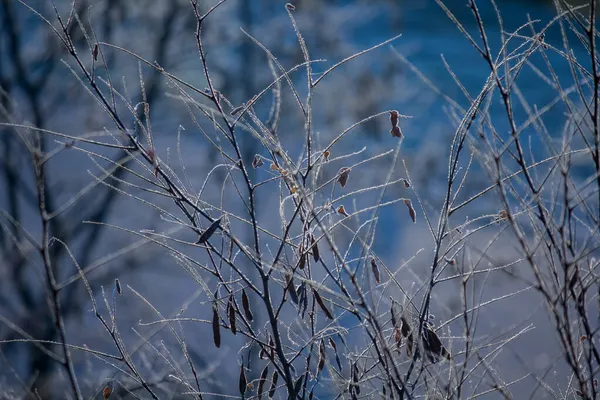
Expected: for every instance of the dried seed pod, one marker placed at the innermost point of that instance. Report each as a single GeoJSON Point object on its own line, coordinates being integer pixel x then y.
{"type": "Point", "coordinates": [322, 355]}
{"type": "Point", "coordinates": [95, 52]}
{"type": "Point", "coordinates": [243, 382]}
{"type": "Point", "coordinates": [337, 357]}
{"type": "Point", "coordinates": [405, 328]}
{"type": "Point", "coordinates": [215, 325]}
{"type": "Point", "coordinates": [406, 183]}
{"type": "Point", "coordinates": [343, 174]}
{"type": "Point", "coordinates": [246, 306]}
{"type": "Point", "coordinates": [375, 271]}
{"type": "Point", "coordinates": [314, 248]}
{"type": "Point", "coordinates": [398, 337]}
{"type": "Point", "coordinates": [291, 289]}
{"type": "Point", "coordinates": [411, 210]}
{"type": "Point", "coordinates": [231, 314]}
{"type": "Point", "coordinates": [257, 161]}
{"type": "Point", "coordinates": [342, 211]}
{"type": "Point", "coordinates": [302, 255]}
{"type": "Point", "coordinates": [394, 117]}
{"type": "Point", "coordinates": [393, 315]}
{"type": "Point", "coordinates": [396, 132]}
{"type": "Point", "coordinates": [262, 380]}
{"type": "Point", "coordinates": [209, 231]}
{"type": "Point", "coordinates": [118, 286]}
{"type": "Point", "coordinates": [326, 155]}
{"type": "Point", "coordinates": [273, 384]}
{"type": "Point", "coordinates": [322, 304]}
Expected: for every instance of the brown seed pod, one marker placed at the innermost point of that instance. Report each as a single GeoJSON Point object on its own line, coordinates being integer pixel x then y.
{"type": "Point", "coordinates": [337, 358]}
{"type": "Point", "coordinates": [411, 210]}
{"type": "Point", "coordinates": [322, 355]}
{"type": "Point", "coordinates": [209, 231]}
{"type": "Point", "coordinates": [343, 174]}
{"type": "Point", "coordinates": [406, 183]}
{"type": "Point", "coordinates": [95, 52]}
{"type": "Point", "coordinates": [246, 306]}
{"type": "Point", "coordinates": [273, 384]}
{"type": "Point", "coordinates": [262, 380]}
{"type": "Point", "coordinates": [375, 271]}
{"type": "Point", "coordinates": [302, 255]}
{"type": "Point", "coordinates": [398, 337]}
{"type": "Point", "coordinates": [322, 304]}
{"type": "Point", "coordinates": [118, 286]}
{"type": "Point", "coordinates": [314, 248]}
{"type": "Point", "coordinates": [394, 117]}
{"type": "Point", "coordinates": [243, 382]}
{"type": "Point", "coordinates": [396, 132]}
{"type": "Point", "coordinates": [215, 325]}
{"type": "Point", "coordinates": [231, 314]}
{"type": "Point", "coordinates": [291, 289]}
{"type": "Point", "coordinates": [326, 155]}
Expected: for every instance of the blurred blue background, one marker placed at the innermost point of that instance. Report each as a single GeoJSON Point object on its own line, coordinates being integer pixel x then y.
{"type": "Point", "coordinates": [39, 88]}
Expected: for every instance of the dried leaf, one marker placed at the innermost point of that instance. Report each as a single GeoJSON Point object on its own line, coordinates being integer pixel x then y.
{"type": "Point", "coordinates": [315, 248]}
{"type": "Point", "coordinates": [375, 271]}
{"type": "Point", "coordinates": [246, 306]}
{"type": "Point", "coordinates": [257, 161]}
{"type": "Point", "coordinates": [411, 210]}
{"type": "Point", "coordinates": [209, 232]}
{"type": "Point", "coordinates": [107, 391]}
{"type": "Point", "coordinates": [243, 382]}
{"type": "Point", "coordinates": [231, 314]}
{"type": "Point", "coordinates": [326, 154]}
{"type": "Point", "coordinates": [215, 325]}
{"type": "Point", "coordinates": [343, 174]}
{"type": "Point", "coordinates": [262, 380]}
{"type": "Point", "coordinates": [342, 211]}
{"type": "Point", "coordinates": [273, 384]}
{"type": "Point", "coordinates": [322, 304]}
